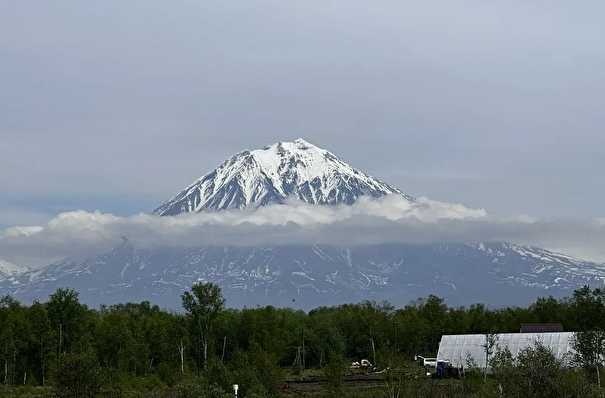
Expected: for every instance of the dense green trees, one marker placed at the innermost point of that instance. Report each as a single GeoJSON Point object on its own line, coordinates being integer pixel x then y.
{"type": "Point", "coordinates": [13, 326]}
{"type": "Point", "coordinates": [203, 305]}
{"type": "Point", "coordinates": [81, 351]}
{"type": "Point", "coordinates": [69, 320]}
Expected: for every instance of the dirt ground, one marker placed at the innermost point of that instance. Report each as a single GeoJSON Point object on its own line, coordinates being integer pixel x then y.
{"type": "Point", "coordinates": [313, 385]}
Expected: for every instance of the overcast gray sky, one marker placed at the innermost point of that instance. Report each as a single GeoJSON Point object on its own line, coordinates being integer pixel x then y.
{"type": "Point", "coordinates": [118, 105]}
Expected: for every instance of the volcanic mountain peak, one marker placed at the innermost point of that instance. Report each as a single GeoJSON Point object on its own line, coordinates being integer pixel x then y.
{"type": "Point", "coordinates": [272, 174]}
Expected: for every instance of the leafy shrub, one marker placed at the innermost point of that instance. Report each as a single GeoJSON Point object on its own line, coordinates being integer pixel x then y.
{"type": "Point", "coordinates": [334, 373]}
{"type": "Point", "coordinates": [77, 375]}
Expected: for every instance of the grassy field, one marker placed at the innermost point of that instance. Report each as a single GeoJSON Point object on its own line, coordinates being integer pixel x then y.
{"type": "Point", "coordinates": [408, 380]}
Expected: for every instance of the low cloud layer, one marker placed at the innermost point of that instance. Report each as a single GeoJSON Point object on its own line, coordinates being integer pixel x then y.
{"type": "Point", "coordinates": [81, 234]}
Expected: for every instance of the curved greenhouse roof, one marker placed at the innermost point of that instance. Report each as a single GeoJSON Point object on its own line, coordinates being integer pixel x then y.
{"type": "Point", "coordinates": [457, 348]}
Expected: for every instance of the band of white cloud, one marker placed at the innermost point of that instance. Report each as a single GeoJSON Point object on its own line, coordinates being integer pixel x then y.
{"type": "Point", "coordinates": [390, 219]}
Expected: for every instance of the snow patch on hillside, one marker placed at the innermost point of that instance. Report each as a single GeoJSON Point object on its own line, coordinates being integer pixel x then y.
{"type": "Point", "coordinates": [8, 269]}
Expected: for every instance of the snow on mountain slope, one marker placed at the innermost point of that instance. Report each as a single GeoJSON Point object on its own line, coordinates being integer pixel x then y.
{"type": "Point", "coordinates": [10, 269]}
{"type": "Point", "coordinates": [270, 175]}
{"type": "Point", "coordinates": [306, 276]}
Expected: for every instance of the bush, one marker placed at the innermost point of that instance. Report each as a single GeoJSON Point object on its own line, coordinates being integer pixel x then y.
{"type": "Point", "coordinates": [189, 388]}
{"type": "Point", "coordinates": [214, 391]}
{"type": "Point", "coordinates": [216, 373]}
{"type": "Point", "coordinates": [113, 383]}
{"type": "Point", "coordinates": [77, 375]}
{"type": "Point", "coordinates": [473, 381]}
{"type": "Point", "coordinates": [199, 388]}
{"type": "Point", "coordinates": [151, 383]}
{"type": "Point", "coordinates": [334, 373]}
{"type": "Point", "coordinates": [256, 372]}
{"type": "Point", "coordinates": [167, 374]}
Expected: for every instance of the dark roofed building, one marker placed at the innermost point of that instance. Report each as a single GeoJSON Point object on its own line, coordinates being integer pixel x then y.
{"type": "Point", "coordinates": [541, 328]}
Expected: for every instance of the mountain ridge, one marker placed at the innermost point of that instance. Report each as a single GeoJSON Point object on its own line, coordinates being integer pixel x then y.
{"type": "Point", "coordinates": [307, 276]}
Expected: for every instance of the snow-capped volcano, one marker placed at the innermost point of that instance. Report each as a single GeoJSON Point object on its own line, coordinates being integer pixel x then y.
{"type": "Point", "coordinates": [274, 173]}
{"type": "Point", "coordinates": [493, 273]}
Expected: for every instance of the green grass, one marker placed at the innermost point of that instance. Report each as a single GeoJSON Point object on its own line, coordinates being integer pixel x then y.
{"type": "Point", "coordinates": [24, 392]}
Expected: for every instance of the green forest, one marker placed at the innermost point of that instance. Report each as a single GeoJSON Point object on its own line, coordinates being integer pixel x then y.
{"type": "Point", "coordinates": [62, 348]}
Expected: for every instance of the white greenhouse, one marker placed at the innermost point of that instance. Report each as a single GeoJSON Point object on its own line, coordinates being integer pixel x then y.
{"type": "Point", "coordinates": [457, 348]}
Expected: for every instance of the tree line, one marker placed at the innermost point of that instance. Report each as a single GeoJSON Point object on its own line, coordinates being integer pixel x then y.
{"type": "Point", "coordinates": [65, 344]}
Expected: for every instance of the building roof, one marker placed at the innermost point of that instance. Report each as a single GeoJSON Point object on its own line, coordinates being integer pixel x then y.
{"type": "Point", "coordinates": [541, 328]}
